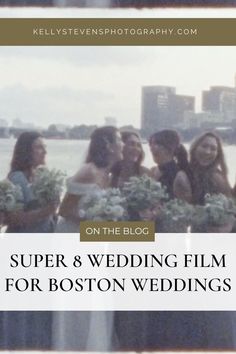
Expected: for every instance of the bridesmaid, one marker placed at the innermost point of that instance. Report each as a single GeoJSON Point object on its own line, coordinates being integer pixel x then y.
{"type": "Point", "coordinates": [171, 158]}
{"type": "Point", "coordinates": [215, 330]}
{"type": "Point", "coordinates": [172, 163]}
{"type": "Point", "coordinates": [31, 329]}
{"type": "Point", "coordinates": [131, 164]}
{"type": "Point", "coordinates": [29, 153]}
{"type": "Point", "coordinates": [208, 175]}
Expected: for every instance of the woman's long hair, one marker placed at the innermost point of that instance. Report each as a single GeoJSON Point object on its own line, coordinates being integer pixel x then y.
{"type": "Point", "coordinates": [219, 162]}
{"type": "Point", "coordinates": [202, 180]}
{"type": "Point", "coordinates": [22, 159]}
{"type": "Point", "coordinates": [171, 141]}
{"type": "Point", "coordinates": [98, 151]}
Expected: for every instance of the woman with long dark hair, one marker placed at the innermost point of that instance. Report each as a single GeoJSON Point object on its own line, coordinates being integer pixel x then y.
{"type": "Point", "coordinates": [172, 163]}
{"type": "Point", "coordinates": [131, 164]}
{"type": "Point", "coordinates": [171, 158]}
{"type": "Point", "coordinates": [22, 330]}
{"type": "Point", "coordinates": [208, 167]}
{"type": "Point", "coordinates": [208, 175]}
{"type": "Point", "coordinates": [29, 153]}
{"type": "Point", "coordinates": [104, 150]}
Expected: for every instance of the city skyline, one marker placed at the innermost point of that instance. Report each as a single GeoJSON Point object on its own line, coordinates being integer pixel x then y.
{"type": "Point", "coordinates": [29, 99]}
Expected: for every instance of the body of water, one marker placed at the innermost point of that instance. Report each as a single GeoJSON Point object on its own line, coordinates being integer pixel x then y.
{"type": "Point", "coordinates": [68, 155]}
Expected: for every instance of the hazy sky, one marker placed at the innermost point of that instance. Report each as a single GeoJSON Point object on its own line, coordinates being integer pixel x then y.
{"type": "Point", "coordinates": [76, 85]}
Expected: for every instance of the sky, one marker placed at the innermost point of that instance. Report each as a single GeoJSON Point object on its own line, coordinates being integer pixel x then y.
{"type": "Point", "coordinates": [82, 85]}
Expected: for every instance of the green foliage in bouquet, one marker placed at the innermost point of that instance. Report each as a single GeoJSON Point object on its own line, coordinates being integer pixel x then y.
{"type": "Point", "coordinates": [10, 196]}
{"type": "Point", "coordinates": [217, 211]}
{"type": "Point", "coordinates": [47, 185]}
{"type": "Point", "coordinates": [109, 205]}
{"type": "Point", "coordinates": [176, 216]}
{"type": "Point", "coordinates": [143, 193]}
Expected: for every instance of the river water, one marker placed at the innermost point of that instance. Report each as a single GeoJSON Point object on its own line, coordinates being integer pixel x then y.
{"type": "Point", "coordinates": [68, 155]}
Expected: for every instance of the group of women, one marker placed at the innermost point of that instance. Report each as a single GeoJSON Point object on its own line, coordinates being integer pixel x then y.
{"type": "Point", "coordinates": [113, 158]}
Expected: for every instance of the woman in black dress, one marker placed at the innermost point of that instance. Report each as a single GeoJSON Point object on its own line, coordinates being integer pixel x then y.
{"type": "Point", "coordinates": [172, 162]}
{"type": "Point", "coordinates": [171, 158]}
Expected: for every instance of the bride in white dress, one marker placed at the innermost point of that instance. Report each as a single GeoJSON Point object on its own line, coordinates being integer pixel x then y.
{"type": "Point", "coordinates": [78, 330]}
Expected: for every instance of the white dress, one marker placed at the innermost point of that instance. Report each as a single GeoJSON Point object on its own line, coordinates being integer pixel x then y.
{"type": "Point", "coordinates": [81, 190]}
{"type": "Point", "coordinates": [82, 330]}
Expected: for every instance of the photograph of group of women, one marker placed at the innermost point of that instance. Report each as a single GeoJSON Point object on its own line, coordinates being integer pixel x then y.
{"type": "Point", "coordinates": [114, 161]}
{"type": "Point", "coordinates": [186, 189]}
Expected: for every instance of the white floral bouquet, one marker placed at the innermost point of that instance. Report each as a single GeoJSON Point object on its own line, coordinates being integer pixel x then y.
{"type": "Point", "coordinates": [10, 196]}
{"type": "Point", "coordinates": [47, 185]}
{"type": "Point", "coordinates": [143, 193]}
{"type": "Point", "coordinates": [176, 216]}
{"type": "Point", "coordinates": [217, 210]}
{"type": "Point", "coordinates": [105, 206]}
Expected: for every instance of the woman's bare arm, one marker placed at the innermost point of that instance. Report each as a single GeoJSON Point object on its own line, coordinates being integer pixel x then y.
{"type": "Point", "coordinates": [222, 185]}
{"type": "Point", "coordinates": [182, 187]}
{"type": "Point", "coordinates": [69, 205]}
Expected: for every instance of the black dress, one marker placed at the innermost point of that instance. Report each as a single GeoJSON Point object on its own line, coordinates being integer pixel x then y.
{"type": "Point", "coordinates": [169, 171]}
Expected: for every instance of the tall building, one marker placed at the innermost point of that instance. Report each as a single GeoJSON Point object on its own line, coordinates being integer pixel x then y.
{"type": "Point", "coordinates": [162, 108]}
{"type": "Point", "coordinates": [220, 100]}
